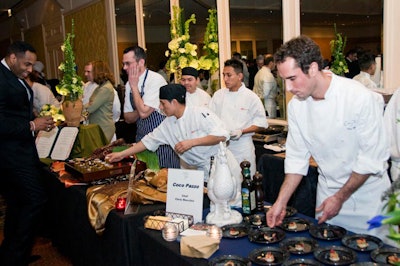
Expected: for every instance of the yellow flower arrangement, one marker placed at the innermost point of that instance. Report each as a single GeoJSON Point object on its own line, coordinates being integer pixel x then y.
{"type": "Point", "coordinates": [339, 65]}
{"type": "Point", "coordinates": [51, 110]}
{"type": "Point", "coordinates": [210, 61]}
{"type": "Point", "coordinates": [181, 52]}
{"type": "Point", "coordinates": [71, 84]}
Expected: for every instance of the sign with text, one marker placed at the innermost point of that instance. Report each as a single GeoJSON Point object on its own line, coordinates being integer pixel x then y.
{"type": "Point", "coordinates": [185, 192]}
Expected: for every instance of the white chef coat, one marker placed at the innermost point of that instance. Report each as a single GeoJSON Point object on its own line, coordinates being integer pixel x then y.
{"type": "Point", "coordinates": [195, 122]}
{"type": "Point", "coordinates": [240, 110]}
{"type": "Point", "coordinates": [198, 98]}
{"type": "Point", "coordinates": [154, 82]}
{"type": "Point", "coordinates": [392, 124]}
{"type": "Point", "coordinates": [266, 88]}
{"type": "Point", "coordinates": [366, 80]}
{"type": "Point", "coordinates": [344, 133]}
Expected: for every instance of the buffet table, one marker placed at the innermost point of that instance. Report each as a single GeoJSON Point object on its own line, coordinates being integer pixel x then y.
{"type": "Point", "coordinates": [73, 235]}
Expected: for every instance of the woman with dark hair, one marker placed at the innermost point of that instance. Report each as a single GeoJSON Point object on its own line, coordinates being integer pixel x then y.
{"type": "Point", "coordinates": [101, 102]}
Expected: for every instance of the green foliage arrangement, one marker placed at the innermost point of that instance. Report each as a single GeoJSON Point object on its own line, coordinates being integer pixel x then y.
{"type": "Point", "coordinates": [210, 61]}
{"type": "Point", "coordinates": [339, 65]}
{"type": "Point", "coordinates": [71, 84]}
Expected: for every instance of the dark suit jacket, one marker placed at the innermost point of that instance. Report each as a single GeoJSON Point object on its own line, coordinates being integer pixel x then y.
{"type": "Point", "coordinates": [17, 145]}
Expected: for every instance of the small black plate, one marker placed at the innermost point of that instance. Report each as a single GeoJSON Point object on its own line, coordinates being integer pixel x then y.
{"type": "Point", "coordinates": [295, 224]}
{"type": "Point", "coordinates": [373, 242]}
{"type": "Point", "coordinates": [255, 220]}
{"type": "Point", "coordinates": [299, 245]}
{"type": "Point", "coordinates": [232, 260]}
{"type": "Point", "coordinates": [368, 263]}
{"type": "Point", "coordinates": [234, 230]}
{"type": "Point", "coordinates": [302, 262]}
{"type": "Point", "coordinates": [327, 231]}
{"type": "Point", "coordinates": [266, 235]}
{"type": "Point", "coordinates": [346, 255]}
{"type": "Point", "coordinates": [280, 256]}
{"type": "Point", "coordinates": [290, 211]}
{"type": "Point", "coordinates": [381, 255]}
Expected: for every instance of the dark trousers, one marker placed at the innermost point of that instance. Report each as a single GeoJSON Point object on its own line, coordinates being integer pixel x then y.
{"type": "Point", "coordinates": [25, 196]}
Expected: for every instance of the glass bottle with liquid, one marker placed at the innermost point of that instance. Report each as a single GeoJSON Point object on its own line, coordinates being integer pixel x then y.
{"type": "Point", "coordinates": [248, 193]}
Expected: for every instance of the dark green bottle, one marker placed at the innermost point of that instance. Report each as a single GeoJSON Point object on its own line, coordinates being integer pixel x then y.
{"type": "Point", "coordinates": [248, 193]}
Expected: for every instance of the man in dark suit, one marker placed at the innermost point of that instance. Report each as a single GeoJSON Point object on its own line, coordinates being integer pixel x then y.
{"type": "Point", "coordinates": [20, 183]}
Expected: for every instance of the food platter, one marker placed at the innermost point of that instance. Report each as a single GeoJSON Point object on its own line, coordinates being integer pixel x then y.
{"type": "Point", "coordinates": [290, 211]}
{"type": "Point", "coordinates": [295, 224]}
{"type": "Point", "coordinates": [231, 260]}
{"type": "Point", "coordinates": [335, 255]}
{"type": "Point", "coordinates": [362, 242]}
{"type": "Point", "coordinates": [234, 230]}
{"type": "Point", "coordinates": [383, 255]}
{"type": "Point", "coordinates": [302, 262]}
{"type": "Point", "coordinates": [299, 245]}
{"type": "Point", "coordinates": [327, 231]}
{"type": "Point", "coordinates": [266, 235]}
{"type": "Point", "coordinates": [269, 256]}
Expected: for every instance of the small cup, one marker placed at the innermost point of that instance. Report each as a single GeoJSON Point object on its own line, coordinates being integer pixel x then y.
{"type": "Point", "coordinates": [170, 232]}
{"type": "Point", "coordinates": [214, 232]}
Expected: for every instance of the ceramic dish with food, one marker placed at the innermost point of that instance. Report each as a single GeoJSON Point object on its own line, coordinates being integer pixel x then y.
{"type": "Point", "coordinates": [230, 260]}
{"type": "Point", "coordinates": [386, 255]}
{"type": "Point", "coordinates": [255, 220]}
{"type": "Point", "coordinates": [234, 230]}
{"type": "Point", "coordinates": [266, 235]}
{"type": "Point", "coordinates": [335, 255]}
{"type": "Point", "coordinates": [299, 245]}
{"type": "Point", "coordinates": [327, 231]}
{"type": "Point", "coordinates": [362, 242]}
{"type": "Point", "coordinates": [302, 262]}
{"type": "Point", "coordinates": [295, 224]}
{"type": "Point", "coordinates": [269, 256]}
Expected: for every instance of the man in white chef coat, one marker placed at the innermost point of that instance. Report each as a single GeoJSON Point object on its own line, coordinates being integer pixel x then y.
{"type": "Point", "coordinates": [242, 112]}
{"type": "Point", "coordinates": [193, 132]}
{"type": "Point", "coordinates": [338, 122]}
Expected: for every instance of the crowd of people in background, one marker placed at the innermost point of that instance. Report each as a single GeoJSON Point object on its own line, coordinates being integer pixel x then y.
{"type": "Point", "coordinates": [183, 124]}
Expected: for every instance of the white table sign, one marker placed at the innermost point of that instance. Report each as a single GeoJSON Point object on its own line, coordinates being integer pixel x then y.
{"type": "Point", "coordinates": [185, 192]}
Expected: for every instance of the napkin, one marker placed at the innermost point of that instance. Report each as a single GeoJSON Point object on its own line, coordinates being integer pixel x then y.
{"type": "Point", "coordinates": [274, 148]}
{"type": "Point", "coordinates": [199, 246]}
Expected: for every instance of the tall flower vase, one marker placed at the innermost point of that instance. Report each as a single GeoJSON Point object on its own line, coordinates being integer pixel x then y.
{"type": "Point", "coordinates": [72, 110]}
{"type": "Point", "coordinates": [178, 76]}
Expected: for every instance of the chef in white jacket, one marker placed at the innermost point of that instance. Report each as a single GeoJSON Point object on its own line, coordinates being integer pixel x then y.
{"type": "Point", "coordinates": [242, 112]}
{"type": "Point", "coordinates": [339, 123]}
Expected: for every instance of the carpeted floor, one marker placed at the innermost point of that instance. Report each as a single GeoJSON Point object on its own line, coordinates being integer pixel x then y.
{"type": "Point", "coordinates": [43, 247]}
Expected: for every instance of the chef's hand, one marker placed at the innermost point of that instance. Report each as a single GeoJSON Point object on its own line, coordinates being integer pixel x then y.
{"type": "Point", "coordinates": [183, 146]}
{"type": "Point", "coordinates": [43, 123]}
{"type": "Point", "coordinates": [133, 76]}
{"type": "Point", "coordinates": [275, 215]}
{"type": "Point", "coordinates": [235, 134]}
{"type": "Point", "coordinates": [330, 207]}
{"type": "Point", "coordinates": [114, 157]}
